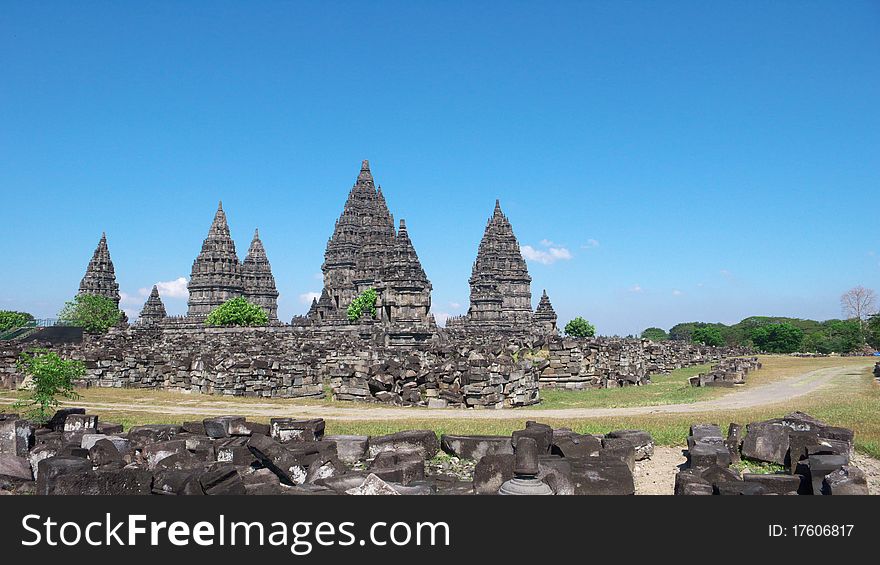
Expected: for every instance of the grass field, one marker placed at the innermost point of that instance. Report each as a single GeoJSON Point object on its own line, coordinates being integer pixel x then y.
{"type": "Point", "coordinates": [854, 403]}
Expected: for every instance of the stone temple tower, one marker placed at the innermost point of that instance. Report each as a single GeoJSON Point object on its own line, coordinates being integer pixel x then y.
{"type": "Point", "coordinates": [365, 251]}
{"type": "Point", "coordinates": [100, 277]}
{"type": "Point", "coordinates": [500, 284]}
{"type": "Point", "coordinates": [216, 274]}
{"type": "Point", "coordinates": [259, 284]}
{"type": "Point", "coordinates": [153, 311]}
{"type": "Point", "coordinates": [545, 316]}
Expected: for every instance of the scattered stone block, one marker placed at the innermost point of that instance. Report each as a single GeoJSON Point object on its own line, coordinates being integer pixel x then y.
{"type": "Point", "coordinates": [848, 480]}
{"type": "Point", "coordinates": [292, 430]}
{"type": "Point", "coordinates": [424, 440]}
{"type": "Point", "coordinates": [492, 471]}
{"type": "Point", "coordinates": [475, 447]}
{"type": "Point", "coordinates": [642, 442]}
{"type": "Point", "coordinates": [350, 449]}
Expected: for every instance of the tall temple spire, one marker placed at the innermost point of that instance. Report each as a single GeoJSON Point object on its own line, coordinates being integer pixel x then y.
{"type": "Point", "coordinates": [153, 311]}
{"type": "Point", "coordinates": [100, 276]}
{"type": "Point", "coordinates": [365, 175]}
{"type": "Point", "coordinates": [500, 282]}
{"type": "Point", "coordinates": [259, 284]}
{"type": "Point", "coordinates": [545, 316]}
{"type": "Point", "coordinates": [216, 272]}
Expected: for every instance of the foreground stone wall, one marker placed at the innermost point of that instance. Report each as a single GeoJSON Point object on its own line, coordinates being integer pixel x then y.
{"type": "Point", "coordinates": [451, 369]}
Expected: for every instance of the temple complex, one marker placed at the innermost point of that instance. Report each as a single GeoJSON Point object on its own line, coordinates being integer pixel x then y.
{"type": "Point", "coordinates": [100, 277]}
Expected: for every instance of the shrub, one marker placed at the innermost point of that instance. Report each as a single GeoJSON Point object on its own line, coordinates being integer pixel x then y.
{"type": "Point", "coordinates": [365, 302]}
{"type": "Point", "coordinates": [94, 313]}
{"type": "Point", "coordinates": [777, 338]}
{"type": "Point", "coordinates": [655, 334]}
{"type": "Point", "coordinates": [237, 312]}
{"type": "Point", "coordinates": [708, 335]}
{"type": "Point", "coordinates": [580, 328]}
{"type": "Point", "coordinates": [52, 377]}
{"type": "Point", "coordinates": [10, 319]}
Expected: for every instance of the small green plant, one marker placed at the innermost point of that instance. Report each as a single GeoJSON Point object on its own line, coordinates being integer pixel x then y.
{"type": "Point", "coordinates": [580, 327]}
{"type": "Point", "coordinates": [365, 302]}
{"type": "Point", "coordinates": [51, 377]}
{"type": "Point", "coordinates": [95, 314]}
{"type": "Point", "coordinates": [10, 319]}
{"type": "Point", "coordinates": [757, 467]}
{"type": "Point", "coordinates": [237, 312]}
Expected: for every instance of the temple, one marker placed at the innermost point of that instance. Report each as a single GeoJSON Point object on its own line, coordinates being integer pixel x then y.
{"type": "Point", "coordinates": [501, 295]}
{"type": "Point", "coordinates": [100, 277]}
{"type": "Point", "coordinates": [154, 310]}
{"type": "Point", "coordinates": [366, 251]}
{"type": "Point", "coordinates": [217, 275]}
{"type": "Point", "coordinates": [545, 316]}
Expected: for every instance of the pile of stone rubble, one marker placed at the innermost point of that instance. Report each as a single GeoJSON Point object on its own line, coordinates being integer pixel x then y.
{"type": "Point", "coordinates": [728, 372]}
{"type": "Point", "coordinates": [815, 458]}
{"type": "Point", "coordinates": [75, 453]}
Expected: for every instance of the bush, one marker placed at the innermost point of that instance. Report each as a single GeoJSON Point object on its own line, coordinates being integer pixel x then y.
{"type": "Point", "coordinates": [777, 338]}
{"type": "Point", "coordinates": [655, 334]}
{"type": "Point", "coordinates": [365, 302]}
{"type": "Point", "coordinates": [708, 335]}
{"type": "Point", "coordinates": [580, 328]}
{"type": "Point", "coordinates": [10, 319]}
{"type": "Point", "coordinates": [94, 313]}
{"type": "Point", "coordinates": [237, 312]}
{"type": "Point", "coordinates": [52, 377]}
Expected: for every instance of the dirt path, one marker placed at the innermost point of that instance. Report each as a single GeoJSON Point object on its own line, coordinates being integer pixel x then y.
{"type": "Point", "coordinates": [804, 384]}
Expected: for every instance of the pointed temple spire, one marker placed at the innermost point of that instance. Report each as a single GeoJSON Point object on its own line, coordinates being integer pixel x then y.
{"type": "Point", "coordinates": [365, 250]}
{"type": "Point", "coordinates": [216, 273]}
{"type": "Point", "coordinates": [259, 283]}
{"type": "Point", "coordinates": [545, 316]}
{"type": "Point", "coordinates": [500, 283]}
{"type": "Point", "coordinates": [100, 276]}
{"type": "Point", "coordinates": [153, 311]}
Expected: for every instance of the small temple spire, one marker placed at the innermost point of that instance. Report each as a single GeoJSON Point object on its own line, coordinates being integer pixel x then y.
{"type": "Point", "coordinates": [154, 310]}
{"type": "Point", "coordinates": [100, 276]}
{"type": "Point", "coordinates": [365, 174]}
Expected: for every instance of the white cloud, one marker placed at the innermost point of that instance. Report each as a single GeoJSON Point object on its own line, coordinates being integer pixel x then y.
{"type": "Point", "coordinates": [636, 288]}
{"type": "Point", "coordinates": [454, 305]}
{"type": "Point", "coordinates": [590, 244]}
{"type": "Point", "coordinates": [171, 289]}
{"type": "Point", "coordinates": [725, 273]}
{"type": "Point", "coordinates": [545, 256]}
{"type": "Point", "coordinates": [318, 276]}
{"type": "Point", "coordinates": [307, 297]}
{"type": "Point", "coordinates": [677, 292]}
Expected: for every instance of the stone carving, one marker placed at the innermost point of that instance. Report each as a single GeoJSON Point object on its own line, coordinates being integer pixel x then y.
{"type": "Point", "coordinates": [100, 277]}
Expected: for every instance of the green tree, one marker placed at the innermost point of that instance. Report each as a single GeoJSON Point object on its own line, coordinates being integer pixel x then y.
{"type": "Point", "coordinates": [708, 335]}
{"type": "Point", "coordinates": [845, 336]}
{"type": "Point", "coordinates": [816, 342]}
{"type": "Point", "coordinates": [94, 313]}
{"type": "Point", "coordinates": [364, 302]}
{"type": "Point", "coordinates": [580, 327]}
{"type": "Point", "coordinates": [10, 319]}
{"type": "Point", "coordinates": [51, 377]}
{"type": "Point", "coordinates": [777, 338]}
{"type": "Point", "coordinates": [872, 331]}
{"type": "Point", "coordinates": [655, 334]}
{"type": "Point", "coordinates": [237, 312]}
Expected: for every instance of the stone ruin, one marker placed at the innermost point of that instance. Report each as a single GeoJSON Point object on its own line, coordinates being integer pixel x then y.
{"type": "Point", "coordinates": [814, 458]}
{"type": "Point", "coordinates": [727, 373]}
{"type": "Point", "coordinates": [76, 453]}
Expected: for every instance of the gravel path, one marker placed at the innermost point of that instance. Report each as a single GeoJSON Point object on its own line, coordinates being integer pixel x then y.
{"type": "Point", "coordinates": [804, 384]}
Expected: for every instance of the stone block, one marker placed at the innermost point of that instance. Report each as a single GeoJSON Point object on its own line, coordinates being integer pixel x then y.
{"type": "Point", "coordinates": [349, 448]}
{"type": "Point", "coordinates": [602, 476]}
{"type": "Point", "coordinates": [51, 468]}
{"type": "Point", "coordinates": [16, 437]}
{"type": "Point", "coordinates": [475, 447]}
{"type": "Point", "coordinates": [848, 480]}
{"type": "Point", "coordinates": [492, 471]}
{"type": "Point", "coordinates": [641, 440]}
{"type": "Point", "coordinates": [293, 430]}
{"type": "Point", "coordinates": [424, 440]}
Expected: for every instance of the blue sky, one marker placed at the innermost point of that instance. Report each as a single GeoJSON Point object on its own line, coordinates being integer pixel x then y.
{"type": "Point", "coordinates": [664, 162]}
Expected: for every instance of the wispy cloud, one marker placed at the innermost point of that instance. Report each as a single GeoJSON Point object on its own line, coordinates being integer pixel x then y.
{"type": "Point", "coordinates": [455, 305]}
{"type": "Point", "coordinates": [677, 292]}
{"type": "Point", "coordinates": [636, 288]}
{"type": "Point", "coordinates": [590, 244]}
{"type": "Point", "coordinates": [547, 256]}
{"type": "Point", "coordinates": [307, 297]}
{"type": "Point", "coordinates": [171, 289]}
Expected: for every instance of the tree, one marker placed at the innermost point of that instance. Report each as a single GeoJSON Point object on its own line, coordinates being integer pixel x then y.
{"type": "Point", "coordinates": [872, 331]}
{"type": "Point", "coordinates": [655, 334]}
{"type": "Point", "coordinates": [845, 336]}
{"type": "Point", "coordinates": [364, 302]}
{"type": "Point", "coordinates": [580, 327]}
{"type": "Point", "coordinates": [858, 303]}
{"type": "Point", "coordinates": [816, 342]}
{"type": "Point", "coordinates": [52, 377]}
{"type": "Point", "coordinates": [237, 312]}
{"type": "Point", "coordinates": [94, 313]}
{"type": "Point", "coordinates": [10, 319]}
{"type": "Point", "coordinates": [777, 338]}
{"type": "Point", "coordinates": [708, 335]}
